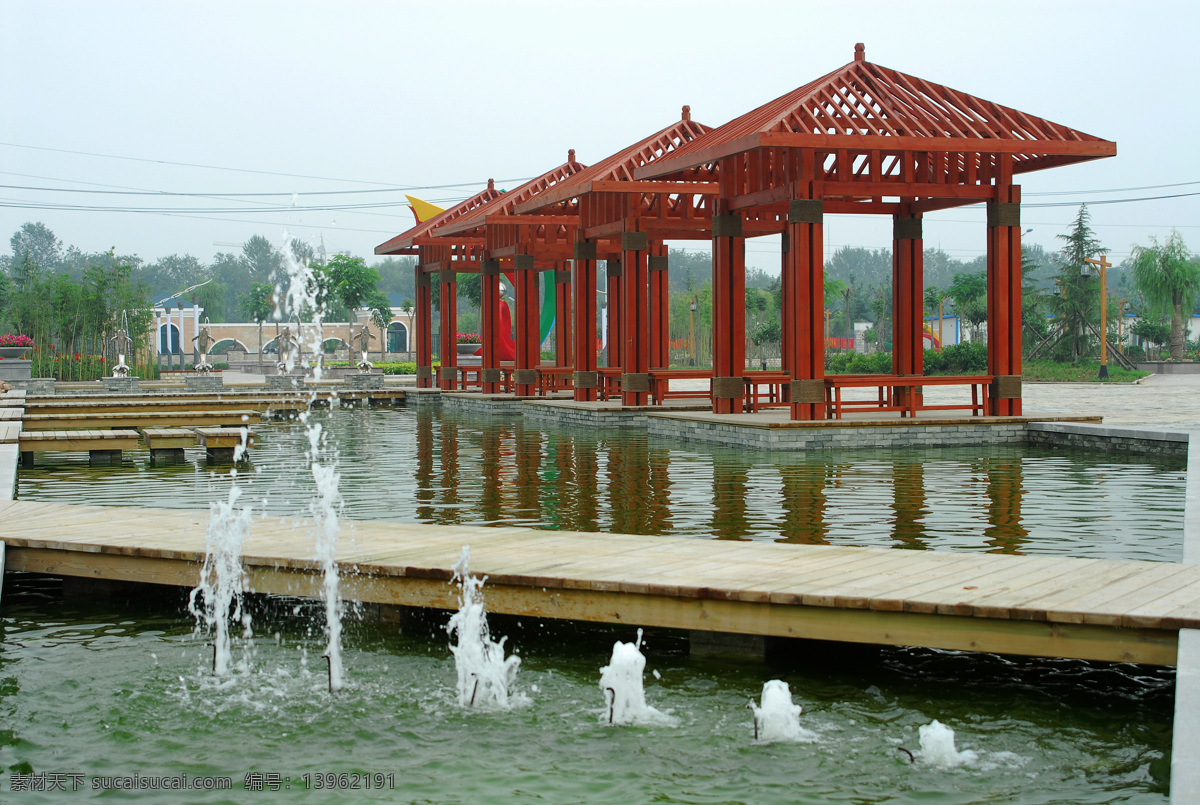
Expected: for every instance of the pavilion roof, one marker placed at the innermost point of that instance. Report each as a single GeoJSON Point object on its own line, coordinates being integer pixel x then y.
{"type": "Point", "coordinates": [404, 243]}
{"type": "Point", "coordinates": [506, 203]}
{"type": "Point", "coordinates": [867, 106]}
{"type": "Point", "coordinates": [621, 165]}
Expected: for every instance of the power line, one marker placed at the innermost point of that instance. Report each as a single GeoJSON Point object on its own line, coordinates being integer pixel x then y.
{"type": "Point", "coordinates": [190, 164]}
{"type": "Point", "coordinates": [37, 205]}
{"type": "Point", "coordinates": [137, 192]}
{"type": "Point", "coordinates": [1111, 190]}
{"type": "Point", "coordinates": [388, 186]}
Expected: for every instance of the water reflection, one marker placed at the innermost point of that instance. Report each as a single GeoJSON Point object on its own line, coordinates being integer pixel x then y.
{"type": "Point", "coordinates": [1005, 533]}
{"type": "Point", "coordinates": [803, 499]}
{"type": "Point", "coordinates": [421, 466]}
{"type": "Point", "coordinates": [729, 494]}
{"type": "Point", "coordinates": [908, 504]}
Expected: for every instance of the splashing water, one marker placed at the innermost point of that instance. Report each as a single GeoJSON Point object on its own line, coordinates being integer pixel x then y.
{"type": "Point", "coordinates": [621, 682]}
{"type": "Point", "coordinates": [222, 578]}
{"type": "Point", "coordinates": [777, 720]}
{"type": "Point", "coordinates": [937, 746]}
{"type": "Point", "coordinates": [302, 295]}
{"type": "Point", "coordinates": [485, 676]}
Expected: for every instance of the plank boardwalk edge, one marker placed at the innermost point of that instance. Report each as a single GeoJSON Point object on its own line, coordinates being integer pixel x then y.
{"type": "Point", "coordinates": [579, 577]}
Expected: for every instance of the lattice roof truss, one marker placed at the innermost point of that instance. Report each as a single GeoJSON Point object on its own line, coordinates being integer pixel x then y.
{"type": "Point", "coordinates": [864, 107]}
{"type": "Point", "coordinates": [607, 192]}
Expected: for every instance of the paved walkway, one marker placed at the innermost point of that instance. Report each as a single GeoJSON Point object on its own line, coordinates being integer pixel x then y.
{"type": "Point", "coordinates": [1166, 402]}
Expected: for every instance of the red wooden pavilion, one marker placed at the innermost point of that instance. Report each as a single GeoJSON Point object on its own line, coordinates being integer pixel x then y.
{"type": "Point", "coordinates": [629, 220]}
{"type": "Point", "coordinates": [862, 139]}
{"type": "Point", "coordinates": [513, 243]}
{"type": "Point", "coordinates": [867, 139]}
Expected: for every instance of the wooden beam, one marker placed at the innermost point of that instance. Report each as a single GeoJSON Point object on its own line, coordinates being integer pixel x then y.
{"type": "Point", "coordinates": [430, 240]}
{"type": "Point", "coordinates": [673, 188]}
{"type": "Point", "coordinates": [501, 219]}
{"type": "Point", "coordinates": [1095, 148]}
{"type": "Point", "coordinates": [1082, 149]}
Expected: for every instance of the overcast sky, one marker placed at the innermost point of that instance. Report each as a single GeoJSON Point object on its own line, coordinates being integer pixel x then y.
{"type": "Point", "coordinates": [298, 98]}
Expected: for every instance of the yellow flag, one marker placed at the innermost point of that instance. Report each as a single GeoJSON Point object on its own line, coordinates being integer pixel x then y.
{"type": "Point", "coordinates": [423, 210]}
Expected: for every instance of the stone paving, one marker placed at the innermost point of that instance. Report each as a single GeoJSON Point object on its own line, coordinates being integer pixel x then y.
{"type": "Point", "coordinates": [1162, 402]}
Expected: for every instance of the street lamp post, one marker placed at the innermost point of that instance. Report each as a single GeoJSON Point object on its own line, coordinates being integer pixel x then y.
{"type": "Point", "coordinates": [692, 329]}
{"type": "Point", "coordinates": [1104, 266]}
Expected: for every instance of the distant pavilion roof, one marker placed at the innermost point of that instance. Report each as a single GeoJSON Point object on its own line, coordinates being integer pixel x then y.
{"type": "Point", "coordinates": [620, 167]}
{"type": "Point", "coordinates": [503, 205]}
{"type": "Point", "coordinates": [405, 242]}
{"type": "Point", "coordinates": [864, 106]}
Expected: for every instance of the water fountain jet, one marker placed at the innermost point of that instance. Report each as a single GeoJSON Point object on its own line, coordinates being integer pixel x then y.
{"type": "Point", "coordinates": [221, 578]}
{"type": "Point", "coordinates": [621, 681]}
{"type": "Point", "coordinates": [479, 660]}
{"type": "Point", "coordinates": [938, 749]}
{"type": "Point", "coordinates": [777, 719]}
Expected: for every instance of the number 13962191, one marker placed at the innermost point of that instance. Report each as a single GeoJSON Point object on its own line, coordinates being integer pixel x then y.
{"type": "Point", "coordinates": [351, 781]}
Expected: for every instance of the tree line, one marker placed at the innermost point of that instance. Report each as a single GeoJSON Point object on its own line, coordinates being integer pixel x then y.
{"type": "Point", "coordinates": [75, 300]}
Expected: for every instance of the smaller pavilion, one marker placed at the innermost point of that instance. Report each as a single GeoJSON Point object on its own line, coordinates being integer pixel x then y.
{"type": "Point", "coordinates": [444, 257]}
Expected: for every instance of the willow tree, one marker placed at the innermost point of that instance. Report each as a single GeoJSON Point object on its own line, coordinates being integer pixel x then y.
{"type": "Point", "coordinates": [1169, 280]}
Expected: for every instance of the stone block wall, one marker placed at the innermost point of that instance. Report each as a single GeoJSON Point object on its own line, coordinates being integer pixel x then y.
{"type": "Point", "coordinates": [202, 383]}
{"type": "Point", "coordinates": [1101, 437]}
{"type": "Point", "coordinates": [422, 397]}
{"type": "Point", "coordinates": [35, 387]}
{"type": "Point", "coordinates": [833, 438]}
{"type": "Point", "coordinates": [483, 405]}
{"type": "Point", "coordinates": [588, 418]}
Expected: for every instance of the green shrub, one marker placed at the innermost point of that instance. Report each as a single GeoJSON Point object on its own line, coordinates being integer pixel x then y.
{"type": "Point", "coordinates": [387, 367]}
{"type": "Point", "coordinates": [852, 363]}
{"type": "Point", "coordinates": [957, 359]}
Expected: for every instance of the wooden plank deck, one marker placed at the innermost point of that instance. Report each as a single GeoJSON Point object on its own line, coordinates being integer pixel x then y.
{"type": "Point", "coordinates": [136, 419]}
{"type": "Point", "coordinates": [75, 441]}
{"type": "Point", "coordinates": [1040, 606]}
{"type": "Point", "coordinates": [214, 438]}
{"type": "Point", "coordinates": [90, 407]}
{"type": "Point", "coordinates": [168, 438]}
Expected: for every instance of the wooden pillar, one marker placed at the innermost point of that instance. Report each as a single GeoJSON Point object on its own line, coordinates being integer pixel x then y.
{"type": "Point", "coordinates": [562, 318]}
{"type": "Point", "coordinates": [660, 307]}
{"type": "Point", "coordinates": [528, 329]}
{"type": "Point", "coordinates": [489, 321]}
{"type": "Point", "coordinates": [807, 307]}
{"type": "Point", "coordinates": [449, 335]}
{"type": "Point", "coordinates": [729, 313]}
{"type": "Point", "coordinates": [583, 287]}
{"type": "Point", "coordinates": [612, 271]}
{"type": "Point", "coordinates": [908, 307]}
{"type": "Point", "coordinates": [424, 334]}
{"type": "Point", "coordinates": [1004, 299]}
{"type": "Point", "coordinates": [787, 311]}
{"type": "Point", "coordinates": [635, 319]}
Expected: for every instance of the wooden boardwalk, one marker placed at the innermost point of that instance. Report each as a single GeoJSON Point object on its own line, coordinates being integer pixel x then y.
{"type": "Point", "coordinates": [142, 419]}
{"type": "Point", "coordinates": [1040, 606]}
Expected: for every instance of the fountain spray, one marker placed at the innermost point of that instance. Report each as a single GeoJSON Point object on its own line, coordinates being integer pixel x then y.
{"type": "Point", "coordinates": [485, 675]}
{"type": "Point", "coordinates": [621, 682]}
{"type": "Point", "coordinates": [221, 578]}
{"type": "Point", "coordinates": [303, 294]}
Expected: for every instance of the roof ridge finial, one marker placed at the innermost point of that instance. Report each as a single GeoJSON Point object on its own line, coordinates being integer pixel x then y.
{"type": "Point", "coordinates": [687, 112]}
{"type": "Point", "coordinates": [491, 184]}
{"type": "Point", "coordinates": [860, 52]}
{"type": "Point", "coordinates": [570, 155]}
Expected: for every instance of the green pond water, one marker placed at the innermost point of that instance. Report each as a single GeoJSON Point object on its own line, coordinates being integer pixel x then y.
{"type": "Point", "coordinates": [97, 686]}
